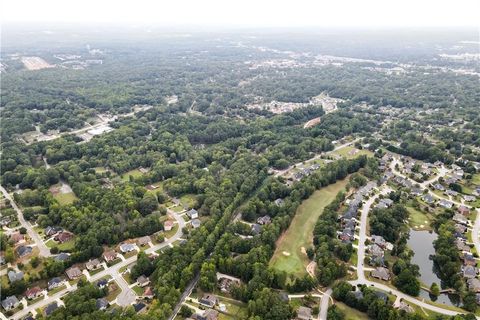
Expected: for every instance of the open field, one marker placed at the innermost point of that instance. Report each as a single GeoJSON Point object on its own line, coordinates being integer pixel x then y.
{"type": "Point", "coordinates": [65, 198]}
{"type": "Point", "coordinates": [350, 313]}
{"type": "Point", "coordinates": [288, 255]}
{"type": "Point", "coordinates": [135, 173]}
{"type": "Point", "coordinates": [350, 152]}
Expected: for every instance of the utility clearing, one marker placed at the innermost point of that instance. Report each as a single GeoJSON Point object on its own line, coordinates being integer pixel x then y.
{"type": "Point", "coordinates": [299, 235]}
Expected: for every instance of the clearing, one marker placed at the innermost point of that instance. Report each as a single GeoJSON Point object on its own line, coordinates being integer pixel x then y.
{"type": "Point", "coordinates": [350, 152]}
{"type": "Point", "coordinates": [35, 63]}
{"type": "Point", "coordinates": [300, 232]}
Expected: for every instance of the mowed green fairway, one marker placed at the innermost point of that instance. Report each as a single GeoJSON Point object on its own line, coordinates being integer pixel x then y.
{"type": "Point", "coordinates": [288, 255]}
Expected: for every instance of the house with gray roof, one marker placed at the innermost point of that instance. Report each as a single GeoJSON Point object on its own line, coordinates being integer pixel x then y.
{"type": "Point", "coordinates": [14, 276]}
{"type": "Point", "coordinates": [10, 303]}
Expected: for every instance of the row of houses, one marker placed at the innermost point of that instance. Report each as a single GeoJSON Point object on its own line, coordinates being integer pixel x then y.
{"type": "Point", "coordinates": [348, 220]}
{"type": "Point", "coordinates": [305, 172]}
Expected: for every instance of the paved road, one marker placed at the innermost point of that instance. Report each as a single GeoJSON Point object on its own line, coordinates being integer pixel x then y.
{"type": "Point", "coordinates": [361, 275]}
{"type": "Point", "coordinates": [184, 296]}
{"type": "Point", "coordinates": [475, 232]}
{"type": "Point", "coordinates": [318, 156]}
{"type": "Point", "coordinates": [113, 271]}
{"type": "Point", "coordinates": [44, 250]}
{"type": "Point", "coordinates": [322, 314]}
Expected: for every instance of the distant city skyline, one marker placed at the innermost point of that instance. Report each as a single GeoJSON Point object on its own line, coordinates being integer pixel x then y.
{"type": "Point", "coordinates": [251, 13]}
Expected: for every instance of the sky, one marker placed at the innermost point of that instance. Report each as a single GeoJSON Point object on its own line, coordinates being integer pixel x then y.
{"type": "Point", "coordinates": [249, 13]}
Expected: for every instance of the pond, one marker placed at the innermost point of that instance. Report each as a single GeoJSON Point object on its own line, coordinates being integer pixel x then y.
{"type": "Point", "coordinates": [421, 242]}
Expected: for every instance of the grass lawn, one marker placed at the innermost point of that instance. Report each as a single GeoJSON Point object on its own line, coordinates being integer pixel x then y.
{"type": "Point", "coordinates": [93, 272]}
{"type": "Point", "coordinates": [177, 209]}
{"type": "Point", "coordinates": [419, 220]}
{"type": "Point", "coordinates": [350, 313]}
{"type": "Point", "coordinates": [52, 292]}
{"type": "Point", "coordinates": [188, 200]}
{"type": "Point", "coordinates": [169, 234]}
{"type": "Point", "coordinates": [299, 234]}
{"type": "Point", "coordinates": [65, 198]}
{"type": "Point", "coordinates": [138, 290]}
{"type": "Point", "coordinates": [113, 291]}
{"type": "Point", "coordinates": [30, 302]}
{"type": "Point", "coordinates": [130, 254]}
{"type": "Point", "coordinates": [134, 173]}
{"type": "Point", "coordinates": [67, 246]}
{"type": "Point", "coordinates": [100, 169]}
{"type": "Point", "coordinates": [350, 153]}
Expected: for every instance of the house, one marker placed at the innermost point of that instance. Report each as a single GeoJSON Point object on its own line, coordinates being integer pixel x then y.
{"type": "Point", "coordinates": [264, 220]}
{"type": "Point", "coordinates": [469, 272]}
{"type": "Point", "coordinates": [139, 307]}
{"type": "Point", "coordinates": [381, 273]}
{"type": "Point", "coordinates": [14, 276]}
{"type": "Point", "coordinates": [279, 202]}
{"type": "Point", "coordinates": [102, 283]}
{"type": "Point", "coordinates": [209, 314]}
{"type": "Point", "coordinates": [208, 300]}
{"type": "Point", "coordinates": [192, 214]}
{"type": "Point", "coordinates": [461, 245]}
{"type": "Point", "coordinates": [463, 210]}
{"type": "Point", "coordinates": [109, 256]}
{"type": "Point", "coordinates": [102, 304]}
{"type": "Point", "coordinates": [10, 303]}
{"type": "Point", "coordinates": [460, 228]}
{"type": "Point", "coordinates": [468, 198]}
{"type": "Point", "coordinates": [23, 251]}
{"type": "Point", "coordinates": [73, 273]}
{"type": "Point", "coordinates": [375, 250]}
{"type": "Point", "coordinates": [473, 284]}
{"type": "Point", "coordinates": [347, 235]}
{"type": "Point", "coordinates": [148, 293]}
{"type": "Point", "coordinates": [143, 170]}
{"type": "Point", "coordinates": [405, 307]}
{"type": "Point", "coordinates": [379, 241]}
{"type": "Point", "coordinates": [168, 225]}
{"type": "Point", "coordinates": [438, 186]}
{"type": "Point", "coordinates": [54, 283]}
{"type": "Point", "coordinates": [50, 231]}
{"type": "Point", "coordinates": [381, 295]}
{"type": "Point", "coordinates": [452, 193]}
{"type": "Point", "coordinates": [17, 237]}
{"type": "Point", "coordinates": [446, 204]}
{"type": "Point", "coordinates": [143, 281]}
{"type": "Point", "coordinates": [304, 313]}
{"type": "Point", "coordinates": [460, 219]}
{"type": "Point", "coordinates": [224, 284]}
{"type": "Point", "coordinates": [143, 241]}
{"type": "Point", "coordinates": [50, 308]}
{"type": "Point", "coordinates": [469, 259]}
{"type": "Point", "coordinates": [63, 237]}
{"type": "Point", "coordinates": [33, 293]}
{"type": "Point", "coordinates": [256, 228]}
{"type": "Point", "coordinates": [127, 247]}
{"type": "Point", "coordinates": [384, 203]}
{"type": "Point", "coordinates": [92, 264]}
{"type": "Point", "coordinates": [63, 256]}
{"type": "Point", "coordinates": [196, 223]}
{"type": "Point", "coordinates": [358, 294]}
{"type": "Point", "coordinates": [416, 191]}
{"type": "Point", "coordinates": [428, 198]}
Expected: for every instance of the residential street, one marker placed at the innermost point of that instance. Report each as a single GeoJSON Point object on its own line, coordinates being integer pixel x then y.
{"type": "Point", "coordinates": [361, 280]}
{"type": "Point", "coordinates": [125, 297]}
{"type": "Point", "coordinates": [44, 250]}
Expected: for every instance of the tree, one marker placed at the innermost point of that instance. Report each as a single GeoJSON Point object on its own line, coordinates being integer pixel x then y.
{"type": "Point", "coordinates": [435, 289]}
{"type": "Point", "coordinates": [208, 277]}
{"type": "Point", "coordinates": [185, 311]}
{"type": "Point", "coordinates": [334, 313]}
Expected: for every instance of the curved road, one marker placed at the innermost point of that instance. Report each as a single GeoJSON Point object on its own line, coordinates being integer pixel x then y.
{"type": "Point", "coordinates": [361, 275]}
{"type": "Point", "coordinates": [44, 250]}
{"type": "Point", "coordinates": [113, 271]}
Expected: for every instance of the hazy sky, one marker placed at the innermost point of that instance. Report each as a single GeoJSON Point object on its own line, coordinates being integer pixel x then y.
{"type": "Point", "coordinates": [248, 12]}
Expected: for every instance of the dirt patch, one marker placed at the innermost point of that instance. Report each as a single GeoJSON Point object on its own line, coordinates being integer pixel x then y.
{"type": "Point", "coordinates": [35, 63]}
{"type": "Point", "coordinates": [285, 253]}
{"type": "Point", "coordinates": [303, 250]}
{"type": "Point", "coordinates": [311, 123]}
